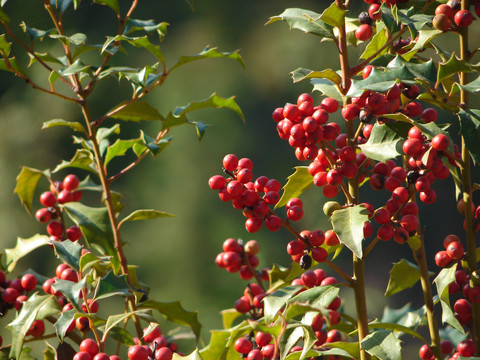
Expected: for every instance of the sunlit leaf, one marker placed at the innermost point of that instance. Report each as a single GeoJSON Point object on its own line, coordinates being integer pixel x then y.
{"type": "Point", "coordinates": [470, 129]}
{"type": "Point", "coordinates": [69, 252]}
{"type": "Point", "coordinates": [297, 183]}
{"type": "Point", "coordinates": [111, 3]}
{"type": "Point", "coordinates": [136, 111]}
{"type": "Point", "coordinates": [302, 74]}
{"type": "Point", "coordinates": [403, 275]}
{"type": "Point", "coordinates": [60, 122]}
{"type": "Point", "coordinates": [384, 143]}
{"type": "Point", "coordinates": [22, 248]}
{"type": "Point", "coordinates": [112, 285]}
{"type": "Point", "coordinates": [27, 182]}
{"type": "Point", "coordinates": [383, 344]}
{"type": "Point", "coordinates": [348, 225]}
{"type": "Point", "coordinates": [144, 214]}
{"type": "Point", "coordinates": [208, 52]}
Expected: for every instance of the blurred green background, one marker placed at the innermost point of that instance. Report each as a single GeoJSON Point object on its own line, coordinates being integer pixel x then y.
{"type": "Point", "coordinates": [176, 255]}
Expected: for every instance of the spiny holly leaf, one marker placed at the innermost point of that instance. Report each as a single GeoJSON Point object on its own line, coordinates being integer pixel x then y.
{"type": "Point", "coordinates": [83, 159]}
{"type": "Point", "coordinates": [448, 317]}
{"type": "Point", "coordinates": [277, 300]}
{"type": "Point", "coordinates": [282, 276]}
{"type": "Point", "coordinates": [228, 317]}
{"type": "Point", "coordinates": [95, 226]}
{"type": "Point", "coordinates": [297, 183]}
{"type": "Point", "coordinates": [114, 320]}
{"type": "Point", "coordinates": [208, 52]}
{"type": "Point", "coordinates": [291, 338]}
{"type": "Point", "coordinates": [348, 225]}
{"type": "Point", "coordinates": [195, 355]}
{"type": "Point", "coordinates": [375, 324]}
{"type": "Point", "coordinates": [136, 111]}
{"type": "Point", "coordinates": [375, 44]}
{"type": "Point", "coordinates": [317, 296]}
{"type": "Point", "coordinates": [424, 37]}
{"type": "Point", "coordinates": [142, 42]}
{"type": "Point", "coordinates": [302, 74]}
{"type": "Point", "coordinates": [148, 26]}
{"type": "Point", "coordinates": [27, 182]}
{"type": "Point", "coordinates": [71, 290]}
{"type": "Point", "coordinates": [383, 344]}
{"type": "Point", "coordinates": [33, 33]}
{"type": "Point", "coordinates": [61, 5]}
{"type": "Point", "coordinates": [174, 311]}
{"type": "Point", "coordinates": [69, 252]}
{"type": "Point", "coordinates": [111, 285]}
{"type": "Point", "coordinates": [403, 275]}
{"type": "Point", "coordinates": [426, 70]}
{"type": "Point", "coordinates": [472, 86]}
{"type": "Point", "coordinates": [144, 214]}
{"type": "Point", "coordinates": [22, 248]}
{"type": "Point", "coordinates": [60, 122]}
{"type": "Point", "coordinates": [5, 46]}
{"type": "Point", "coordinates": [470, 129]}
{"type": "Point", "coordinates": [443, 279]}
{"type": "Point", "coordinates": [111, 3]}
{"type": "Point", "coordinates": [383, 144]}
{"type": "Point", "coordinates": [217, 347]}
{"type": "Point", "coordinates": [304, 20]}
{"type": "Point", "coordinates": [30, 311]}
{"type": "Point", "coordinates": [121, 335]}
{"type": "Point", "coordinates": [395, 315]}
{"type": "Point", "coordinates": [327, 88]}
{"type": "Point", "coordinates": [64, 321]}
{"type": "Point", "coordinates": [119, 148]}
{"type": "Point", "coordinates": [452, 66]}
{"type": "Point", "coordinates": [333, 16]}
{"type": "Point", "coordinates": [381, 81]}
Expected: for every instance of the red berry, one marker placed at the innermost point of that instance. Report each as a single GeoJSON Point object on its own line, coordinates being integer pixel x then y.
{"type": "Point", "coordinates": [28, 281]}
{"type": "Point", "coordinates": [294, 213]}
{"type": "Point", "coordinates": [367, 70]}
{"type": "Point", "coordinates": [374, 11]}
{"type": "Point", "coordinates": [74, 233]}
{"type": "Point", "coordinates": [216, 182]}
{"type": "Point", "coordinates": [230, 162]}
{"type": "Point", "coordinates": [273, 222]}
{"type": "Point", "coordinates": [164, 353]}
{"type": "Point", "coordinates": [70, 182]}
{"type": "Point", "coordinates": [10, 294]}
{"type": "Point", "coordinates": [82, 355]}
{"type": "Point", "coordinates": [455, 250]}
{"type": "Point", "coordinates": [48, 199]}
{"type": "Point", "coordinates": [466, 348]}
{"type": "Point", "coordinates": [55, 228]}
{"type": "Point", "coordinates": [425, 352]}
{"type": "Point", "coordinates": [364, 32]}
{"type": "Point", "coordinates": [446, 347]}
{"type": "Point", "coordinates": [309, 279]}
{"type": "Point", "coordinates": [429, 115]}
{"type": "Point", "coordinates": [101, 356]}
{"type": "Point", "coordinates": [137, 352]}
{"type": "Point", "coordinates": [90, 346]}
{"type": "Point", "coordinates": [92, 307]}
{"type": "Point", "coordinates": [36, 329]}
{"type": "Point", "coordinates": [253, 224]}
{"type": "Point", "coordinates": [350, 111]}
{"type": "Point", "coordinates": [319, 254]}
{"type": "Point", "coordinates": [329, 104]}
{"type": "Point", "coordinates": [243, 345]}
{"type": "Point", "coordinates": [463, 18]}
{"type": "Point", "coordinates": [444, 9]}
{"type": "Point", "coordinates": [43, 215]}
{"type": "Point", "coordinates": [442, 259]}
{"type": "Point", "coordinates": [440, 142]}
{"type": "Point", "coordinates": [65, 196]}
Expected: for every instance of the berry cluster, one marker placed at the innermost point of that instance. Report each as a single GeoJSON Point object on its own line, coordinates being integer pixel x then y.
{"type": "Point", "coordinates": [241, 258]}
{"type": "Point", "coordinates": [245, 194]}
{"type": "Point", "coordinates": [256, 346]}
{"type": "Point", "coordinates": [13, 292]}
{"type": "Point", "coordinates": [450, 16]}
{"type": "Point", "coordinates": [251, 301]}
{"type": "Point", "coordinates": [51, 214]}
{"type": "Point", "coordinates": [308, 246]}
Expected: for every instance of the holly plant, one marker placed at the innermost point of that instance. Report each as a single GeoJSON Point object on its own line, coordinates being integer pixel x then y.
{"type": "Point", "coordinates": [396, 119]}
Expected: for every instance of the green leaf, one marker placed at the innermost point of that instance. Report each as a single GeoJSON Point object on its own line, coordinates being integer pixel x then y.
{"type": "Point", "coordinates": [452, 66]}
{"type": "Point", "coordinates": [71, 290]}
{"type": "Point", "coordinates": [327, 88]}
{"type": "Point", "coordinates": [470, 129]}
{"type": "Point", "coordinates": [133, 25]}
{"type": "Point", "coordinates": [95, 226]}
{"type": "Point", "coordinates": [383, 344]}
{"type": "Point", "coordinates": [111, 285]}
{"type": "Point", "coordinates": [348, 225]}
{"type": "Point", "coordinates": [297, 183]}
{"type": "Point", "coordinates": [83, 159]}
{"type": "Point", "coordinates": [217, 347]}
{"type": "Point", "coordinates": [302, 74]}
{"type": "Point", "coordinates": [60, 122]}
{"type": "Point", "coordinates": [144, 214]}
{"type": "Point", "coordinates": [277, 300]}
{"type": "Point", "coordinates": [152, 145]}
{"type": "Point", "coordinates": [87, 261]}
{"type": "Point", "coordinates": [136, 111]}
{"type": "Point", "coordinates": [5, 46]}
{"type": "Point", "coordinates": [208, 52]}
{"type": "Point", "coordinates": [27, 182]}
{"type": "Point", "coordinates": [141, 42]}
{"type": "Point", "coordinates": [119, 148]}
{"type": "Point", "coordinates": [173, 311]}
{"type": "Point", "coordinates": [22, 248]}
{"type": "Point", "coordinates": [317, 296]}
{"type": "Point", "coordinates": [177, 117]}
{"type": "Point", "coordinates": [114, 320]}
{"type": "Point", "coordinates": [111, 3]}
{"type": "Point", "coordinates": [281, 276]}
{"type": "Point", "coordinates": [228, 317]}
{"type": "Point", "coordinates": [122, 335]}
{"type": "Point", "coordinates": [304, 20]}
{"type": "Point", "coordinates": [61, 5]}
{"type": "Point", "coordinates": [392, 326]}
{"type": "Point", "coordinates": [443, 279]}
{"type": "Point", "coordinates": [76, 68]}
{"type": "Point", "coordinates": [195, 355]}
{"type": "Point", "coordinates": [448, 316]}
{"type": "Point", "coordinates": [403, 275]}
{"type": "Point", "coordinates": [375, 44]}
{"type": "Point", "coordinates": [63, 322]}
{"type": "Point", "coordinates": [69, 252]}
{"type": "Point", "coordinates": [36, 305]}
{"type": "Point", "coordinates": [4, 19]}
{"type": "Point", "coordinates": [333, 16]}
{"type": "Point", "coordinates": [33, 33]}
{"type": "Point", "coordinates": [472, 86]}
{"type": "Point", "coordinates": [383, 144]}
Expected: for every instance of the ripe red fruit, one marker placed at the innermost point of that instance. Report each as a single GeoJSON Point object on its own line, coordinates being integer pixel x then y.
{"type": "Point", "coordinates": [230, 162]}
{"type": "Point", "coordinates": [466, 348]}
{"type": "Point", "coordinates": [48, 199]}
{"type": "Point", "coordinates": [429, 115]}
{"type": "Point", "coordinates": [444, 9]}
{"type": "Point", "coordinates": [350, 111]}
{"type": "Point", "coordinates": [334, 336]}
{"type": "Point", "coordinates": [295, 247]}
{"type": "Point", "coordinates": [9, 295]}
{"type": "Point", "coordinates": [101, 356]}
{"type": "Point", "coordinates": [319, 254]}
{"type": "Point", "coordinates": [43, 215]}
{"type": "Point", "coordinates": [455, 250]}
{"type": "Point", "coordinates": [364, 32]}
{"type": "Point", "coordinates": [446, 347]}
{"type": "Point", "coordinates": [309, 279]}
{"type": "Point", "coordinates": [440, 142]}
{"type": "Point", "coordinates": [137, 352]}
{"type": "Point", "coordinates": [90, 346]}
{"type": "Point", "coordinates": [216, 182]}
{"type": "Point", "coordinates": [385, 232]}
{"type": "Point", "coordinates": [82, 323]}
{"type": "Point", "coordinates": [82, 355]}
{"type": "Point", "coordinates": [330, 105]}
{"type": "Point", "coordinates": [253, 224]}
{"type": "Point", "coordinates": [331, 238]}
{"type": "Point", "coordinates": [425, 352]}
{"type": "Point", "coordinates": [243, 345]}
{"type": "Point", "coordinates": [28, 281]}
{"type": "Point", "coordinates": [294, 213]}
{"type": "Point", "coordinates": [273, 223]}
{"type": "Point", "coordinates": [70, 182]}
{"type": "Point", "coordinates": [442, 259]}
{"type": "Point", "coordinates": [374, 11]}
{"type": "Point", "coordinates": [65, 196]}
{"type": "Point", "coordinates": [36, 329]}
{"type": "Point", "coordinates": [92, 306]}
{"type": "Point", "coordinates": [463, 18]}
{"type": "Point", "coordinates": [74, 233]}
{"type": "Point", "coordinates": [55, 228]}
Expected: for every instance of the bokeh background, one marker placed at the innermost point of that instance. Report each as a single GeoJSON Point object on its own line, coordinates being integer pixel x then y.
{"type": "Point", "coordinates": [176, 255]}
